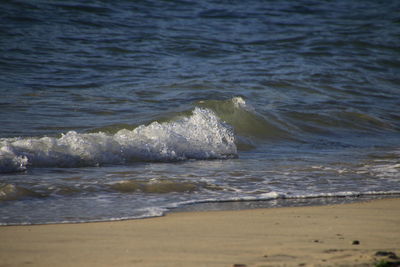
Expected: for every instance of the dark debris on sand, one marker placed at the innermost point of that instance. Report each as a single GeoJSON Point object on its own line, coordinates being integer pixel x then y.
{"type": "Point", "coordinates": [387, 259]}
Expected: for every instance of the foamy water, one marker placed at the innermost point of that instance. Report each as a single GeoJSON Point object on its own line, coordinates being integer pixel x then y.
{"type": "Point", "coordinates": [200, 136]}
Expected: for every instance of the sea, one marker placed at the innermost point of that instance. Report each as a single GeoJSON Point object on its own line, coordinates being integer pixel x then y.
{"type": "Point", "coordinates": [129, 109]}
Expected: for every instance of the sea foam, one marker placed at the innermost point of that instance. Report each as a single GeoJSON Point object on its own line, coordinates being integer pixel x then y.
{"type": "Point", "coordinates": [199, 136]}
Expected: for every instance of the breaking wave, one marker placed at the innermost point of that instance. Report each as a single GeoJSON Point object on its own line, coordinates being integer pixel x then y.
{"type": "Point", "coordinates": [201, 135]}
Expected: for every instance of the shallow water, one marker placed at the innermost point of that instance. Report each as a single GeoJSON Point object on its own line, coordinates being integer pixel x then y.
{"type": "Point", "coordinates": [130, 109]}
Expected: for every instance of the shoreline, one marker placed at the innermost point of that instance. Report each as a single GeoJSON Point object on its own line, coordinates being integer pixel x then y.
{"type": "Point", "coordinates": [235, 205]}
{"type": "Point", "coordinates": [340, 234]}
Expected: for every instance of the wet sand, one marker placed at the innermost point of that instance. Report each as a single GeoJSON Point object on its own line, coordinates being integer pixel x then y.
{"type": "Point", "coordinates": [357, 234]}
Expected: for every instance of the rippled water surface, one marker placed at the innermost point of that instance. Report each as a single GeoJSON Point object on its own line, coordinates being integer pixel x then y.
{"type": "Point", "coordinates": [127, 109]}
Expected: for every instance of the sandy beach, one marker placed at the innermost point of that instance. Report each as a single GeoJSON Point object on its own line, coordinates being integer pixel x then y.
{"type": "Point", "coordinates": [359, 234]}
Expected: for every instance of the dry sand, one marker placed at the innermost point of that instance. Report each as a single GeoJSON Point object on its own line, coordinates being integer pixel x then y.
{"type": "Point", "coordinates": [337, 235]}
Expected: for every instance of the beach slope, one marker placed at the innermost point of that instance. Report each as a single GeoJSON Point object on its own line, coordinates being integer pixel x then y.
{"type": "Point", "coordinates": [357, 234]}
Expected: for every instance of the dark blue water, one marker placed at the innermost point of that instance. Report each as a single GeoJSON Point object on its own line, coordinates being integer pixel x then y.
{"type": "Point", "coordinates": [112, 110]}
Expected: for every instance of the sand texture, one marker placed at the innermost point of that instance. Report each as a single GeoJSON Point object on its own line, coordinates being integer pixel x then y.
{"type": "Point", "coordinates": [359, 234]}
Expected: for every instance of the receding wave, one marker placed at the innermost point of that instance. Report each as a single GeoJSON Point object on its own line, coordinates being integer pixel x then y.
{"type": "Point", "coordinates": [160, 186]}
{"type": "Point", "coordinates": [201, 135]}
{"type": "Point", "coordinates": [13, 192]}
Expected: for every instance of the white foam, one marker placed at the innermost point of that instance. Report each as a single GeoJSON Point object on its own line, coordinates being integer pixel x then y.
{"type": "Point", "coordinates": [9, 161]}
{"type": "Point", "coordinates": [200, 136]}
{"type": "Point", "coordinates": [387, 168]}
{"type": "Point", "coordinates": [239, 102]}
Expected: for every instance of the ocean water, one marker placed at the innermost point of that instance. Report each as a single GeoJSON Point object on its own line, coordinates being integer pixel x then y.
{"type": "Point", "coordinates": [127, 109]}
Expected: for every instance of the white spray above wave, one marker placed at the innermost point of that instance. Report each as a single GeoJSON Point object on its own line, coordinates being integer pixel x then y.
{"type": "Point", "coordinates": [200, 136]}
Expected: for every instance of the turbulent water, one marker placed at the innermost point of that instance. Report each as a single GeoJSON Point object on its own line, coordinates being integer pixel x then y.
{"type": "Point", "coordinates": [127, 109]}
